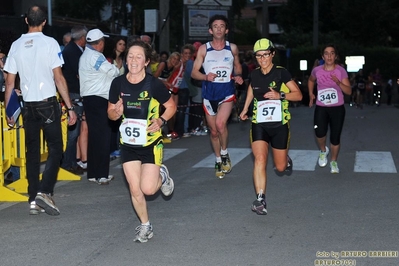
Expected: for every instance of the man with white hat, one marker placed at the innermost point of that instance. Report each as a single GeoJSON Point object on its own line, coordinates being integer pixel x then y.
{"type": "Point", "coordinates": [96, 75]}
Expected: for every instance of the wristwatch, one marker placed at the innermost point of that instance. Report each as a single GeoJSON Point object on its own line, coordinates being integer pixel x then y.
{"type": "Point", "coordinates": [71, 108]}
{"type": "Point", "coordinates": [164, 122]}
{"type": "Point", "coordinates": [282, 95]}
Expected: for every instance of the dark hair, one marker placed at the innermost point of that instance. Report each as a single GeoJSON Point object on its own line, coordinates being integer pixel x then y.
{"type": "Point", "coordinates": [78, 31]}
{"type": "Point", "coordinates": [218, 17]}
{"type": "Point", "coordinates": [335, 49]}
{"type": "Point", "coordinates": [116, 40]}
{"type": "Point", "coordinates": [164, 53]}
{"type": "Point", "coordinates": [329, 45]}
{"type": "Point", "coordinates": [36, 16]}
{"type": "Point", "coordinates": [146, 47]}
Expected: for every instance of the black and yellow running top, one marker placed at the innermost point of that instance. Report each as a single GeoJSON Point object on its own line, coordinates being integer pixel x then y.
{"type": "Point", "coordinates": [140, 101]}
{"type": "Point", "coordinates": [261, 84]}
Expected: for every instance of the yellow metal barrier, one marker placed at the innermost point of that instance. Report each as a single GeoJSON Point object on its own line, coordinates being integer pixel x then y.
{"type": "Point", "coordinates": [13, 151]}
{"type": "Point", "coordinates": [7, 137]}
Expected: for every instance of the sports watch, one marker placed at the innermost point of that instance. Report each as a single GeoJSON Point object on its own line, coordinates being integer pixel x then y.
{"type": "Point", "coordinates": [164, 122]}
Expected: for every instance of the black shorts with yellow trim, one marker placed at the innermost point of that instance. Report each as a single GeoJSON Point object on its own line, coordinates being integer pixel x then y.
{"type": "Point", "coordinates": [152, 153]}
{"type": "Point", "coordinates": [278, 137]}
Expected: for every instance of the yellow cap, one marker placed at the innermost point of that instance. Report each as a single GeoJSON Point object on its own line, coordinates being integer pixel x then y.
{"type": "Point", "coordinates": [263, 44]}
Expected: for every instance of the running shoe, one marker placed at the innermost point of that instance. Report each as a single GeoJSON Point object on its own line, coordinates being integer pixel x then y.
{"type": "Point", "coordinates": [323, 157]}
{"type": "Point", "coordinates": [76, 171]}
{"type": "Point", "coordinates": [143, 233]}
{"type": "Point", "coordinates": [173, 136]}
{"type": "Point", "coordinates": [83, 165]}
{"type": "Point", "coordinates": [334, 167]}
{"type": "Point", "coordinates": [218, 170]}
{"type": "Point", "coordinates": [34, 209]}
{"type": "Point", "coordinates": [46, 202]}
{"type": "Point", "coordinates": [186, 135]}
{"type": "Point", "coordinates": [204, 131]}
{"type": "Point", "coordinates": [102, 180]}
{"type": "Point", "coordinates": [288, 169]}
{"type": "Point", "coordinates": [168, 185]}
{"type": "Point", "coordinates": [196, 132]}
{"type": "Point", "coordinates": [259, 206]}
{"type": "Point", "coordinates": [226, 164]}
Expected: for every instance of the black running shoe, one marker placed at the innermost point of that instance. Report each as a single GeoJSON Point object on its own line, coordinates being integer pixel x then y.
{"type": "Point", "coordinates": [288, 169]}
{"type": "Point", "coordinates": [259, 206]}
{"type": "Point", "coordinates": [226, 164]}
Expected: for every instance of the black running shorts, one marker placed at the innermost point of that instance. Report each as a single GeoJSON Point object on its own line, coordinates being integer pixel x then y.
{"type": "Point", "coordinates": [278, 137]}
{"type": "Point", "coordinates": [149, 154]}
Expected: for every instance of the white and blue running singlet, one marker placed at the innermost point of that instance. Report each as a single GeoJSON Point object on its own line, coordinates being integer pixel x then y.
{"type": "Point", "coordinates": [220, 62]}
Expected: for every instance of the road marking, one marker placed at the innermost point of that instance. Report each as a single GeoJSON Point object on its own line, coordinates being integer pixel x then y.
{"type": "Point", "coordinates": [236, 155]}
{"type": "Point", "coordinates": [170, 153]}
{"type": "Point", "coordinates": [374, 162]}
{"type": "Point", "coordinates": [304, 160]}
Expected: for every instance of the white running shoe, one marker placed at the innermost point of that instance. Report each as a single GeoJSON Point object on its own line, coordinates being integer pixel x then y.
{"type": "Point", "coordinates": [168, 186]}
{"type": "Point", "coordinates": [34, 209]}
{"type": "Point", "coordinates": [143, 233]}
{"type": "Point", "coordinates": [82, 165]}
{"type": "Point", "coordinates": [334, 167]}
{"type": "Point", "coordinates": [323, 157]}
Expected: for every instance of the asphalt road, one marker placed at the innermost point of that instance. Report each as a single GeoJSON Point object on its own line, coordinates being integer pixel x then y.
{"type": "Point", "coordinates": [314, 217]}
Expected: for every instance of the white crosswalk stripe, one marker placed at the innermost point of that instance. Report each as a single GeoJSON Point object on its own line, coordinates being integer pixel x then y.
{"type": "Point", "coordinates": [170, 153]}
{"type": "Point", "coordinates": [304, 160]}
{"type": "Point", "coordinates": [374, 162]}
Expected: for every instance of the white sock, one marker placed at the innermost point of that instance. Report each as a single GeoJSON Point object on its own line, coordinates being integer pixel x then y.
{"type": "Point", "coordinates": [147, 223]}
{"type": "Point", "coordinates": [218, 159]}
{"type": "Point", "coordinates": [223, 152]}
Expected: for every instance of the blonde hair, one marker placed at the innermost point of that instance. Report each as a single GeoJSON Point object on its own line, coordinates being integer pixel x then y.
{"type": "Point", "coordinates": [175, 54]}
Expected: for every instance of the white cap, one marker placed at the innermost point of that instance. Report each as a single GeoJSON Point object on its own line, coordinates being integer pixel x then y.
{"type": "Point", "coordinates": [95, 35]}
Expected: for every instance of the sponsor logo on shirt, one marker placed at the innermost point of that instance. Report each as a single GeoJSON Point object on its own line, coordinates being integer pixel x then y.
{"type": "Point", "coordinates": [143, 96]}
{"type": "Point", "coordinates": [133, 105]}
{"type": "Point", "coordinates": [28, 44]}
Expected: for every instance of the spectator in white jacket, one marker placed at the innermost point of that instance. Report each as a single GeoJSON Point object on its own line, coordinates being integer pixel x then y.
{"type": "Point", "coordinates": [96, 75]}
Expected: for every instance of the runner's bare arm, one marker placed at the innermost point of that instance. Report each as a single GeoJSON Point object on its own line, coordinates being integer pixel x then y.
{"type": "Point", "coordinates": [196, 74]}
{"type": "Point", "coordinates": [237, 65]}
